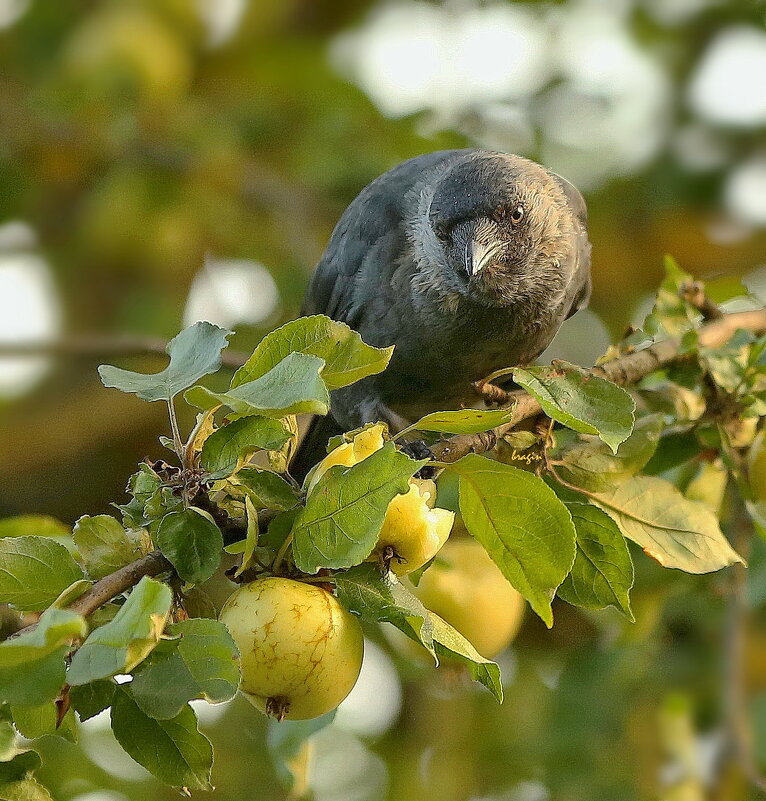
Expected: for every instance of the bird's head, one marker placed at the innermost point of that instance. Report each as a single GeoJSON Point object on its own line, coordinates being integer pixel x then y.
{"type": "Point", "coordinates": [497, 229]}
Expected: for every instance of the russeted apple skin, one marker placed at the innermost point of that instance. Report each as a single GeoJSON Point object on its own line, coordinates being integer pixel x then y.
{"type": "Point", "coordinates": [466, 588]}
{"type": "Point", "coordinates": [300, 650]}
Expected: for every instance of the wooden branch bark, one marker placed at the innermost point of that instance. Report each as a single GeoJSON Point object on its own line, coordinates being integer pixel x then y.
{"type": "Point", "coordinates": [103, 346]}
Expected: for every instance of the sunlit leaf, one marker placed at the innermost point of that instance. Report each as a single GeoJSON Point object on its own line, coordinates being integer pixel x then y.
{"type": "Point", "coordinates": [32, 667]}
{"type": "Point", "coordinates": [346, 357]}
{"type": "Point", "coordinates": [672, 530]}
{"type": "Point", "coordinates": [463, 421]}
{"type": "Point", "coordinates": [294, 386]}
{"type": "Point", "coordinates": [521, 523]}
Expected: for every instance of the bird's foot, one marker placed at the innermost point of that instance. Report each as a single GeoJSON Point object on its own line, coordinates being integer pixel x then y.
{"type": "Point", "coordinates": [417, 449]}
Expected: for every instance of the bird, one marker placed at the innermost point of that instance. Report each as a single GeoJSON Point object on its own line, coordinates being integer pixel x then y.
{"type": "Point", "coordinates": [466, 261]}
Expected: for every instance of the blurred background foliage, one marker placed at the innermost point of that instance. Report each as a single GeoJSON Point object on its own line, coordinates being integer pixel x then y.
{"type": "Point", "coordinates": [163, 161]}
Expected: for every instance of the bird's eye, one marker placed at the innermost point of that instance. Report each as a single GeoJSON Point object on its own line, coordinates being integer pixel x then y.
{"type": "Point", "coordinates": [517, 214]}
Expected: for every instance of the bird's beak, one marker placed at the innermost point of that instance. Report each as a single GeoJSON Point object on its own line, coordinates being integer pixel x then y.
{"type": "Point", "coordinates": [478, 255]}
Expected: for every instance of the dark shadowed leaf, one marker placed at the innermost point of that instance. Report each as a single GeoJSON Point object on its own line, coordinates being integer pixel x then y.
{"type": "Point", "coordinates": [344, 512]}
{"type": "Point", "coordinates": [602, 574]}
{"type": "Point", "coordinates": [192, 543]}
{"type": "Point", "coordinates": [267, 490]}
{"type": "Point", "coordinates": [375, 597]}
{"type": "Point", "coordinates": [172, 750]}
{"type": "Point", "coordinates": [195, 352]}
{"type": "Point", "coordinates": [90, 699]}
{"type": "Point", "coordinates": [347, 358]}
{"type": "Point", "coordinates": [521, 523]}
{"type": "Point", "coordinates": [580, 401]}
{"type": "Point", "coordinates": [104, 545]}
{"type": "Point", "coordinates": [589, 463]}
{"type": "Point", "coordinates": [202, 663]}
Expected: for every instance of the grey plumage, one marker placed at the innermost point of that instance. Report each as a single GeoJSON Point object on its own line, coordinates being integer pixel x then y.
{"type": "Point", "coordinates": [466, 261]}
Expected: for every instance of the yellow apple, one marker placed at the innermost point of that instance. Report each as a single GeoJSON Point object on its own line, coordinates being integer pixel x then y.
{"type": "Point", "coordinates": [412, 531]}
{"type": "Point", "coordinates": [300, 650]}
{"type": "Point", "coordinates": [467, 589]}
{"type": "Point", "coordinates": [364, 444]}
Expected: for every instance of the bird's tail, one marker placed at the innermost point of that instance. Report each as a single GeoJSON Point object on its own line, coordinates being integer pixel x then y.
{"type": "Point", "coordinates": [313, 446]}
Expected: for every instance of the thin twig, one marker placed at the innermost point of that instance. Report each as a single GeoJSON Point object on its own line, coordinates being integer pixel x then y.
{"type": "Point", "coordinates": [623, 370]}
{"type": "Point", "coordinates": [98, 346]}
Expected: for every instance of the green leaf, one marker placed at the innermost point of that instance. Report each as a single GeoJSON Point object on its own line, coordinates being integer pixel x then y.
{"type": "Point", "coordinates": [294, 386]}
{"type": "Point", "coordinates": [521, 523]}
{"type": "Point", "coordinates": [90, 699]}
{"type": "Point", "coordinates": [195, 352]}
{"type": "Point", "coordinates": [580, 401]}
{"type": "Point", "coordinates": [35, 721]}
{"type": "Point", "coordinates": [463, 421]}
{"type": "Point", "coordinates": [344, 512]}
{"type": "Point", "coordinates": [34, 571]}
{"type": "Point", "coordinates": [172, 750]}
{"type": "Point", "coordinates": [202, 663]}
{"type": "Point", "coordinates": [267, 490]}
{"type": "Point", "coordinates": [589, 463]}
{"type": "Point", "coordinates": [55, 628]}
{"type": "Point", "coordinates": [231, 444]}
{"type": "Point", "coordinates": [347, 358]}
{"type": "Point", "coordinates": [375, 597]}
{"type": "Point", "coordinates": [672, 530]}
{"type": "Point", "coordinates": [602, 574]}
{"type": "Point", "coordinates": [192, 543]}
{"type": "Point", "coordinates": [32, 667]}
{"type": "Point", "coordinates": [118, 646]}
{"type": "Point", "coordinates": [103, 544]}
{"type": "Point", "coordinates": [251, 538]}
{"type": "Point", "coordinates": [451, 644]}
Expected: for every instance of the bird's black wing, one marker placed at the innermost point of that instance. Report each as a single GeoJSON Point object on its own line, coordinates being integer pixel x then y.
{"type": "Point", "coordinates": [581, 282]}
{"type": "Point", "coordinates": [367, 244]}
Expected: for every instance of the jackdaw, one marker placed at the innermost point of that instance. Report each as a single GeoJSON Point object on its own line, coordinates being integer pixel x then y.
{"type": "Point", "coordinates": [466, 261]}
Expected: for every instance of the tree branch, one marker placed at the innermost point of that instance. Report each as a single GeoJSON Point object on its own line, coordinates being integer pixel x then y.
{"type": "Point", "coordinates": [623, 370]}
{"type": "Point", "coordinates": [97, 346]}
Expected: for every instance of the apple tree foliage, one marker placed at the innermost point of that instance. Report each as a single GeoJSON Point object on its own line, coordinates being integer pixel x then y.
{"type": "Point", "coordinates": [554, 505]}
